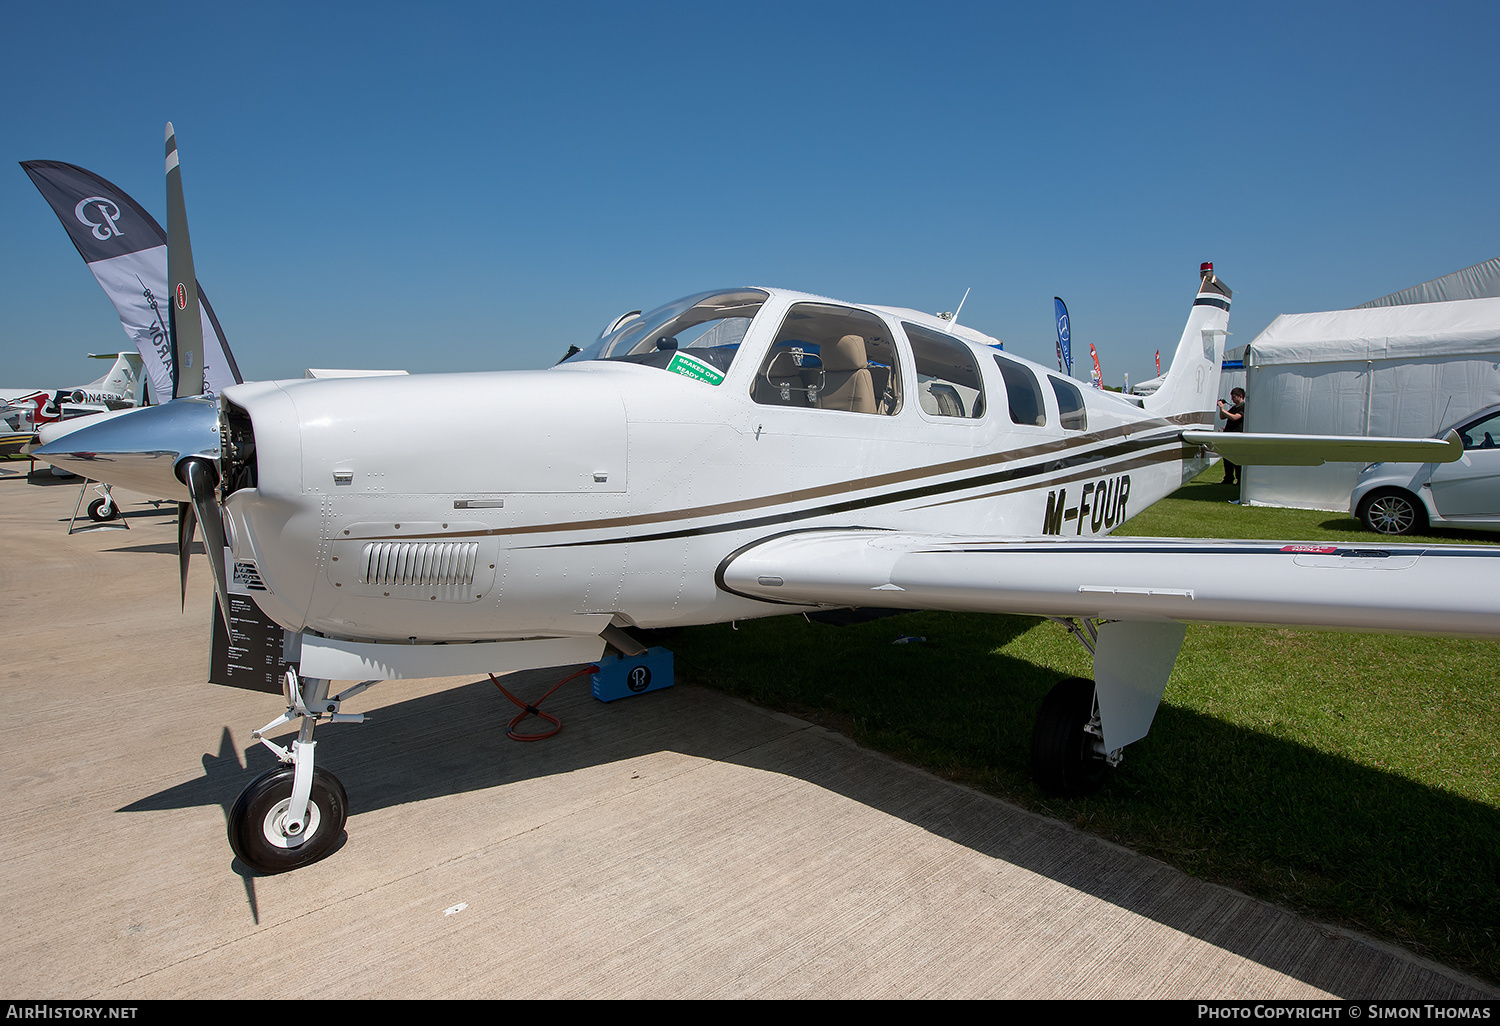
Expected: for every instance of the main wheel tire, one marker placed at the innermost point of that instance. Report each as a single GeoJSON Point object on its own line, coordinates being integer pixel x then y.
{"type": "Point", "coordinates": [103, 510]}
{"type": "Point", "coordinates": [1393, 513]}
{"type": "Point", "coordinates": [256, 821]}
{"type": "Point", "coordinates": [1063, 760]}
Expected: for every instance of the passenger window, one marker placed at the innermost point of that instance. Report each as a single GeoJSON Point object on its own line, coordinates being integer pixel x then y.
{"type": "Point", "coordinates": [828, 357]}
{"type": "Point", "coordinates": [1069, 405]}
{"type": "Point", "coordinates": [1023, 392]}
{"type": "Point", "coordinates": [948, 381]}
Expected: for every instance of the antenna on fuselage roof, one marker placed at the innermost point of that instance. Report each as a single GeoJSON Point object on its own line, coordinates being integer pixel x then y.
{"type": "Point", "coordinates": [952, 318]}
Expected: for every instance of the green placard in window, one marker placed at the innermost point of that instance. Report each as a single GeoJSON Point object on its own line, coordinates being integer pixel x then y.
{"type": "Point", "coordinates": [694, 368]}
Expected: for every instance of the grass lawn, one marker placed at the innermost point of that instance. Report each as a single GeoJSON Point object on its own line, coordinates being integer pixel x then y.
{"type": "Point", "coordinates": [1349, 777]}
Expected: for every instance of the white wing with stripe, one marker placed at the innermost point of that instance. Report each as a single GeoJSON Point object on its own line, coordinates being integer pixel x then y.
{"type": "Point", "coordinates": [1145, 588]}
{"type": "Point", "coordinates": [1421, 589]}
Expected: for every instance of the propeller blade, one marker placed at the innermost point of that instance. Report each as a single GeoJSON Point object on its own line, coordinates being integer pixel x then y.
{"type": "Point", "coordinates": [186, 522]}
{"type": "Point", "coordinates": [185, 323]}
{"type": "Point", "coordinates": [201, 477]}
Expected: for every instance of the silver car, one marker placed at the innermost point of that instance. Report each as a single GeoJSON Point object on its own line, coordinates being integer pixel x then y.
{"type": "Point", "coordinates": [1395, 498]}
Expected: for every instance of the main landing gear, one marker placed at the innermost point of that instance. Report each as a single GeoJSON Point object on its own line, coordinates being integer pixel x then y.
{"type": "Point", "coordinates": [1068, 758]}
{"type": "Point", "coordinates": [294, 815]}
{"type": "Point", "coordinates": [1067, 745]}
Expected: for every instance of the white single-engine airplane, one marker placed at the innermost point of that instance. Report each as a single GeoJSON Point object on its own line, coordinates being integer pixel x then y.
{"type": "Point", "coordinates": [739, 453]}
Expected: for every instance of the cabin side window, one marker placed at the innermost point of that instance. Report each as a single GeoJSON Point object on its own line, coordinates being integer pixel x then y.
{"type": "Point", "coordinates": [1023, 393]}
{"type": "Point", "coordinates": [1069, 405]}
{"type": "Point", "coordinates": [828, 357]}
{"type": "Point", "coordinates": [948, 380]}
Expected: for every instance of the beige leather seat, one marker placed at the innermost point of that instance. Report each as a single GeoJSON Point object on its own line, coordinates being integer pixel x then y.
{"type": "Point", "coordinates": [847, 382]}
{"type": "Point", "coordinates": [949, 402]}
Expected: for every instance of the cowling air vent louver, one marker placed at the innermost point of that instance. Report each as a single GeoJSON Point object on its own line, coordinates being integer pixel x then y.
{"type": "Point", "coordinates": [420, 564]}
{"type": "Point", "coordinates": [247, 575]}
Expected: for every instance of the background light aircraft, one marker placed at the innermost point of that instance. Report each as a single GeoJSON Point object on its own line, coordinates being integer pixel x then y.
{"type": "Point", "coordinates": [738, 453]}
{"type": "Point", "coordinates": [117, 389]}
{"type": "Point", "coordinates": [24, 411]}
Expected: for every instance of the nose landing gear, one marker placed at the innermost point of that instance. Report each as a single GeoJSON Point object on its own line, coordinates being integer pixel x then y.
{"type": "Point", "coordinates": [294, 815]}
{"type": "Point", "coordinates": [268, 840]}
{"type": "Point", "coordinates": [103, 509]}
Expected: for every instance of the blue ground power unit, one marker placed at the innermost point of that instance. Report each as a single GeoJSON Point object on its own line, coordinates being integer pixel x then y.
{"type": "Point", "coordinates": [623, 676]}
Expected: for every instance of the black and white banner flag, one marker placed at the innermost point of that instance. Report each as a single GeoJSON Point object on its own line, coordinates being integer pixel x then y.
{"type": "Point", "coordinates": [127, 251]}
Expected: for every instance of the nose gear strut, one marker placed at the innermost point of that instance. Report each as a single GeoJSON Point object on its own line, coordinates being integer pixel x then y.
{"type": "Point", "coordinates": [295, 814]}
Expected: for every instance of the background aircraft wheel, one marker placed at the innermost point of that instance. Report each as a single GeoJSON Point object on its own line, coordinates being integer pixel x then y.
{"type": "Point", "coordinates": [1393, 513]}
{"type": "Point", "coordinates": [101, 510]}
{"type": "Point", "coordinates": [257, 822]}
{"type": "Point", "coordinates": [1063, 761]}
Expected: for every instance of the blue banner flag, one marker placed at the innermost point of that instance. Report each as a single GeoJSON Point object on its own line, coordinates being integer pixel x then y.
{"type": "Point", "coordinates": [1064, 346]}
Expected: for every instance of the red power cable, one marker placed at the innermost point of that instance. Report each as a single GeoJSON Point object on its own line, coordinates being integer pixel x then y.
{"type": "Point", "coordinates": [532, 710]}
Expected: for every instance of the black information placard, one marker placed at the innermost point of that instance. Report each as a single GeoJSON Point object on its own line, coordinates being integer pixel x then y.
{"type": "Point", "coordinates": [256, 660]}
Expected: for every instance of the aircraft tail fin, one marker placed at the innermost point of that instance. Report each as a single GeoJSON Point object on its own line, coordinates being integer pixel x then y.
{"type": "Point", "coordinates": [120, 383]}
{"type": "Point", "coordinates": [1189, 392]}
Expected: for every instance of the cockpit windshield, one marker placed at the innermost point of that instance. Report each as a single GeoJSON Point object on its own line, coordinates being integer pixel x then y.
{"type": "Point", "coordinates": [697, 336]}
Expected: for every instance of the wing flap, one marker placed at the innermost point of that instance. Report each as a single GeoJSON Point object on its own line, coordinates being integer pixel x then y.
{"type": "Point", "coordinates": [1416, 589]}
{"type": "Point", "coordinates": [1275, 450]}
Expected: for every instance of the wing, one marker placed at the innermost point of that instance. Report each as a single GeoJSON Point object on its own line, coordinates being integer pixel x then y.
{"type": "Point", "coordinates": [1274, 450]}
{"type": "Point", "coordinates": [1145, 589]}
{"type": "Point", "coordinates": [1397, 588]}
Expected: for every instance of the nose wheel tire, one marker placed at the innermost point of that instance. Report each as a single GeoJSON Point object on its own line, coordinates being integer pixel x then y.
{"type": "Point", "coordinates": [258, 831]}
{"type": "Point", "coordinates": [1064, 760]}
{"type": "Point", "coordinates": [102, 510]}
{"type": "Point", "coordinates": [1393, 513]}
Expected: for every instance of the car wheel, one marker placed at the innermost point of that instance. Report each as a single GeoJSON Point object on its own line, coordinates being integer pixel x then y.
{"type": "Point", "coordinates": [1393, 513]}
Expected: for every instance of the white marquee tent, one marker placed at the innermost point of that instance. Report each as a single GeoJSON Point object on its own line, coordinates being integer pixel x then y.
{"type": "Point", "coordinates": [1375, 370]}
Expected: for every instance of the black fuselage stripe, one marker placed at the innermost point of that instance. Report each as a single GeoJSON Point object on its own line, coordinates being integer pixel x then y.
{"type": "Point", "coordinates": [1096, 456]}
{"type": "Point", "coordinates": [1152, 428]}
{"type": "Point", "coordinates": [1171, 455]}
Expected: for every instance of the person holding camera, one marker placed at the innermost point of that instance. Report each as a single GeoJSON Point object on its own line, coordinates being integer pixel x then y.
{"type": "Point", "coordinates": [1234, 420]}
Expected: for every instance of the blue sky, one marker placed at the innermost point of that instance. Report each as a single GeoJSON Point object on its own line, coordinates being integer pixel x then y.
{"type": "Point", "coordinates": [475, 187]}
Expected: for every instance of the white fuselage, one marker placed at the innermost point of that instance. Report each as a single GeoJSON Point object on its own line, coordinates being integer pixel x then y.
{"type": "Point", "coordinates": [554, 502]}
